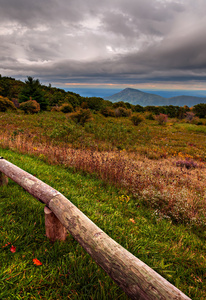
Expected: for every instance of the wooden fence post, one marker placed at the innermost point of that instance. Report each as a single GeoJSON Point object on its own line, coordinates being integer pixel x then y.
{"type": "Point", "coordinates": [3, 179]}
{"type": "Point", "coordinates": [54, 228]}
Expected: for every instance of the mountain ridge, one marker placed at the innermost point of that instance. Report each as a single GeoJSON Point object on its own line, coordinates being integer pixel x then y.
{"type": "Point", "coordinates": [137, 97]}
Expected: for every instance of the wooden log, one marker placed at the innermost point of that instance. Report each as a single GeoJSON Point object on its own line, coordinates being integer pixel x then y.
{"type": "Point", "coordinates": [31, 184]}
{"type": "Point", "coordinates": [54, 228]}
{"type": "Point", "coordinates": [3, 179]}
{"type": "Point", "coordinates": [137, 279]}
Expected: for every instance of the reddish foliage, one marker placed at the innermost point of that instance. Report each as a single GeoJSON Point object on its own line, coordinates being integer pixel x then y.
{"type": "Point", "coordinates": [13, 249]}
{"type": "Point", "coordinates": [6, 245]}
{"type": "Point", "coordinates": [37, 262]}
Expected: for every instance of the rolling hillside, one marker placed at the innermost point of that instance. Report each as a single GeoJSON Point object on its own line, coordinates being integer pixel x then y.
{"type": "Point", "coordinates": [135, 97]}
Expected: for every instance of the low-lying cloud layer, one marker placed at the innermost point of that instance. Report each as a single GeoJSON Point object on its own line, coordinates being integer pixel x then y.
{"type": "Point", "coordinates": [118, 41]}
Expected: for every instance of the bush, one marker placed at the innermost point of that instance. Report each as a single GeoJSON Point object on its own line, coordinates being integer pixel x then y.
{"type": "Point", "coordinates": [197, 121]}
{"type": "Point", "coordinates": [200, 110]}
{"type": "Point", "coordinates": [149, 116]}
{"type": "Point", "coordinates": [138, 108]}
{"type": "Point", "coordinates": [55, 108]}
{"type": "Point", "coordinates": [122, 112]}
{"type": "Point", "coordinates": [107, 112]}
{"type": "Point", "coordinates": [84, 105]}
{"type": "Point", "coordinates": [30, 107]}
{"type": "Point", "coordinates": [189, 116]}
{"type": "Point", "coordinates": [137, 119]}
{"type": "Point", "coordinates": [81, 116]}
{"type": "Point", "coordinates": [72, 99]}
{"type": "Point", "coordinates": [188, 164]}
{"type": "Point", "coordinates": [66, 108]}
{"type": "Point", "coordinates": [95, 103]}
{"type": "Point", "coordinates": [155, 109]}
{"type": "Point", "coordinates": [161, 119]}
{"type": "Point", "coordinates": [16, 102]}
{"type": "Point", "coordinates": [119, 104]}
{"type": "Point", "coordinates": [6, 104]}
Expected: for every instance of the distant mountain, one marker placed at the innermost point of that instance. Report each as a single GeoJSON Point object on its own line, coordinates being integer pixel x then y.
{"type": "Point", "coordinates": [134, 96]}
{"type": "Point", "coordinates": [186, 100]}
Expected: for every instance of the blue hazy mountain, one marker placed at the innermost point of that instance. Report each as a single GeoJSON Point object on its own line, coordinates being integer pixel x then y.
{"type": "Point", "coordinates": [134, 96]}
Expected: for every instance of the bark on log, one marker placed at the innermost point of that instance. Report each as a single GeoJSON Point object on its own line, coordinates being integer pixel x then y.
{"type": "Point", "coordinates": [3, 179]}
{"type": "Point", "coordinates": [31, 184]}
{"type": "Point", "coordinates": [54, 228]}
{"type": "Point", "coordinates": [137, 279]}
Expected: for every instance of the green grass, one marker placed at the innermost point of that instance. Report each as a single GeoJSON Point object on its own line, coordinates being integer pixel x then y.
{"type": "Point", "coordinates": [193, 128]}
{"type": "Point", "coordinates": [67, 271]}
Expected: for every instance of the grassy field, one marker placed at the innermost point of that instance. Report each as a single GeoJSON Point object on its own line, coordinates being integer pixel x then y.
{"type": "Point", "coordinates": [163, 165]}
{"type": "Point", "coordinates": [177, 138]}
{"type": "Point", "coordinates": [143, 185]}
{"type": "Point", "coordinates": [67, 272]}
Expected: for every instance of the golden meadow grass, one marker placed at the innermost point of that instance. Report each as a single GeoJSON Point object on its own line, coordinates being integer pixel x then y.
{"type": "Point", "coordinates": [171, 189]}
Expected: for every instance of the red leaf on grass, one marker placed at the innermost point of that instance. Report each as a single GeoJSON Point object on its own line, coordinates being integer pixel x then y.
{"type": "Point", "coordinates": [37, 262]}
{"type": "Point", "coordinates": [6, 245]}
{"type": "Point", "coordinates": [13, 249]}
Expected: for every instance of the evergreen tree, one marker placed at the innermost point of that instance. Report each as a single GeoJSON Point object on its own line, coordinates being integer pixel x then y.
{"type": "Point", "coordinates": [32, 90]}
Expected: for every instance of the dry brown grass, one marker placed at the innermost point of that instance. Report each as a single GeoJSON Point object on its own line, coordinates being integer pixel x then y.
{"type": "Point", "coordinates": [174, 192]}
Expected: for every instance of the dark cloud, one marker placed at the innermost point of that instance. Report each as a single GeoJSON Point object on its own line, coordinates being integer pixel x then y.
{"type": "Point", "coordinates": [107, 41]}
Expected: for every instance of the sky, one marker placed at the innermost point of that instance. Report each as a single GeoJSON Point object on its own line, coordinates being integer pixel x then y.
{"type": "Point", "coordinates": [154, 44]}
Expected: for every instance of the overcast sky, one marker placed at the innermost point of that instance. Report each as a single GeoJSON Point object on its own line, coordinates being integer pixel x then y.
{"type": "Point", "coordinates": [148, 43]}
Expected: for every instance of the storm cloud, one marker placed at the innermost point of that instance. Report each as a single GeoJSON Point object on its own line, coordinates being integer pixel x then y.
{"type": "Point", "coordinates": [118, 41]}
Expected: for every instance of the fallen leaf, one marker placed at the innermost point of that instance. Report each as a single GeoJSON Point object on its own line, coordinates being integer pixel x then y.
{"type": "Point", "coordinates": [6, 245]}
{"type": "Point", "coordinates": [37, 262]}
{"type": "Point", "coordinates": [132, 220]}
{"type": "Point", "coordinates": [13, 249]}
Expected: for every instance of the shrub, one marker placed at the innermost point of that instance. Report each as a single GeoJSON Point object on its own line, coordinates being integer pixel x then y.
{"type": "Point", "coordinates": [188, 164]}
{"type": "Point", "coordinates": [55, 108]}
{"type": "Point", "coordinates": [72, 99]}
{"type": "Point", "coordinates": [155, 109]}
{"type": "Point", "coordinates": [149, 115]}
{"type": "Point", "coordinates": [161, 119]}
{"type": "Point", "coordinates": [122, 112]}
{"type": "Point", "coordinates": [107, 112]}
{"type": "Point", "coordinates": [30, 107]}
{"type": "Point", "coordinates": [189, 116]}
{"type": "Point", "coordinates": [6, 104]}
{"type": "Point", "coordinates": [16, 102]}
{"type": "Point", "coordinates": [95, 103]}
{"type": "Point", "coordinates": [200, 110]}
{"type": "Point", "coordinates": [81, 116]}
{"type": "Point", "coordinates": [84, 105]}
{"type": "Point", "coordinates": [197, 121]}
{"type": "Point", "coordinates": [138, 108]}
{"type": "Point", "coordinates": [66, 108]}
{"type": "Point", "coordinates": [137, 119]}
{"type": "Point", "coordinates": [119, 104]}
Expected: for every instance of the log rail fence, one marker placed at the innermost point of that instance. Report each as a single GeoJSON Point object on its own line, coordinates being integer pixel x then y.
{"type": "Point", "coordinates": [137, 279]}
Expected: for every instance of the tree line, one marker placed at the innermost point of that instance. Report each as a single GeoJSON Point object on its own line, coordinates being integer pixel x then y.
{"type": "Point", "coordinates": [31, 96]}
